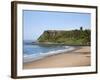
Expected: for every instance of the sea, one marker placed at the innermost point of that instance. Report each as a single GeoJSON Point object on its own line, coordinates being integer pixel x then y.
{"type": "Point", "coordinates": [33, 51]}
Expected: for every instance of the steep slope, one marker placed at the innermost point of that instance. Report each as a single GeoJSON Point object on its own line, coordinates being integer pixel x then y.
{"type": "Point", "coordinates": [72, 37]}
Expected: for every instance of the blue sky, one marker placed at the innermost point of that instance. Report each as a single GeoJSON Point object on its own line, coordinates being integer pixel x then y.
{"type": "Point", "coordinates": [35, 22]}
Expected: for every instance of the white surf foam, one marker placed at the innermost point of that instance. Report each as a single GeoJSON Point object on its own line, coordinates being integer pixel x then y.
{"type": "Point", "coordinates": [33, 57]}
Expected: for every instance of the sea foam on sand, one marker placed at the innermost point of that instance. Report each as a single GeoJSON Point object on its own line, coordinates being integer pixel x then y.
{"type": "Point", "coordinates": [33, 57]}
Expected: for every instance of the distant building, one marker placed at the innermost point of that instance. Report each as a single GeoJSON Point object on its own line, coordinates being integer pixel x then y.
{"type": "Point", "coordinates": [81, 28]}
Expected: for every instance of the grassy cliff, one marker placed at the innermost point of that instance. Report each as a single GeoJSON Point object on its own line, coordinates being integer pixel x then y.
{"type": "Point", "coordinates": [72, 37]}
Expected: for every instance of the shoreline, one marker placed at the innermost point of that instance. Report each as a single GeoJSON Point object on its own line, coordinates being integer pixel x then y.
{"type": "Point", "coordinates": [51, 53]}
{"type": "Point", "coordinates": [80, 56]}
{"type": "Point", "coordinates": [51, 43]}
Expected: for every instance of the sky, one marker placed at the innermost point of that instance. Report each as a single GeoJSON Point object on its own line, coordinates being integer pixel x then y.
{"type": "Point", "coordinates": [36, 22]}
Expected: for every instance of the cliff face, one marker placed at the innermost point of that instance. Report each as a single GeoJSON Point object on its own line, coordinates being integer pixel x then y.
{"type": "Point", "coordinates": [72, 37]}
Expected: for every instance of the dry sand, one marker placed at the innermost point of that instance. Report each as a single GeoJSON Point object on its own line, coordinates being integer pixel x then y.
{"type": "Point", "coordinates": [78, 57]}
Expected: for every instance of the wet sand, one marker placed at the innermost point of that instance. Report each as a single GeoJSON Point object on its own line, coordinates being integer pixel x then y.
{"type": "Point", "coordinates": [76, 58]}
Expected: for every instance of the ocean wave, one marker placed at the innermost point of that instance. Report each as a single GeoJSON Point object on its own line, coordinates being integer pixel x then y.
{"type": "Point", "coordinates": [33, 57]}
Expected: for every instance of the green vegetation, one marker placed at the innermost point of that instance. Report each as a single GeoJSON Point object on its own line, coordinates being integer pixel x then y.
{"type": "Point", "coordinates": [72, 37]}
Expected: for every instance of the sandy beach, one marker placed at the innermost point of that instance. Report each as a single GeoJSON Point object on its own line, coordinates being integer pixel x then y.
{"type": "Point", "coordinates": [79, 57]}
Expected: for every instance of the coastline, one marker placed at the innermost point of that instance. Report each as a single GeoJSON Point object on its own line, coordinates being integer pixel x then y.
{"type": "Point", "coordinates": [75, 58]}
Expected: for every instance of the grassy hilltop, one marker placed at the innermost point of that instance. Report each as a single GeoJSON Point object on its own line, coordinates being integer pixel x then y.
{"type": "Point", "coordinates": [71, 37]}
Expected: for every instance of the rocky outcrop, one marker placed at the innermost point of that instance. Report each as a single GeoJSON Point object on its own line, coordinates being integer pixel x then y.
{"type": "Point", "coordinates": [72, 37]}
